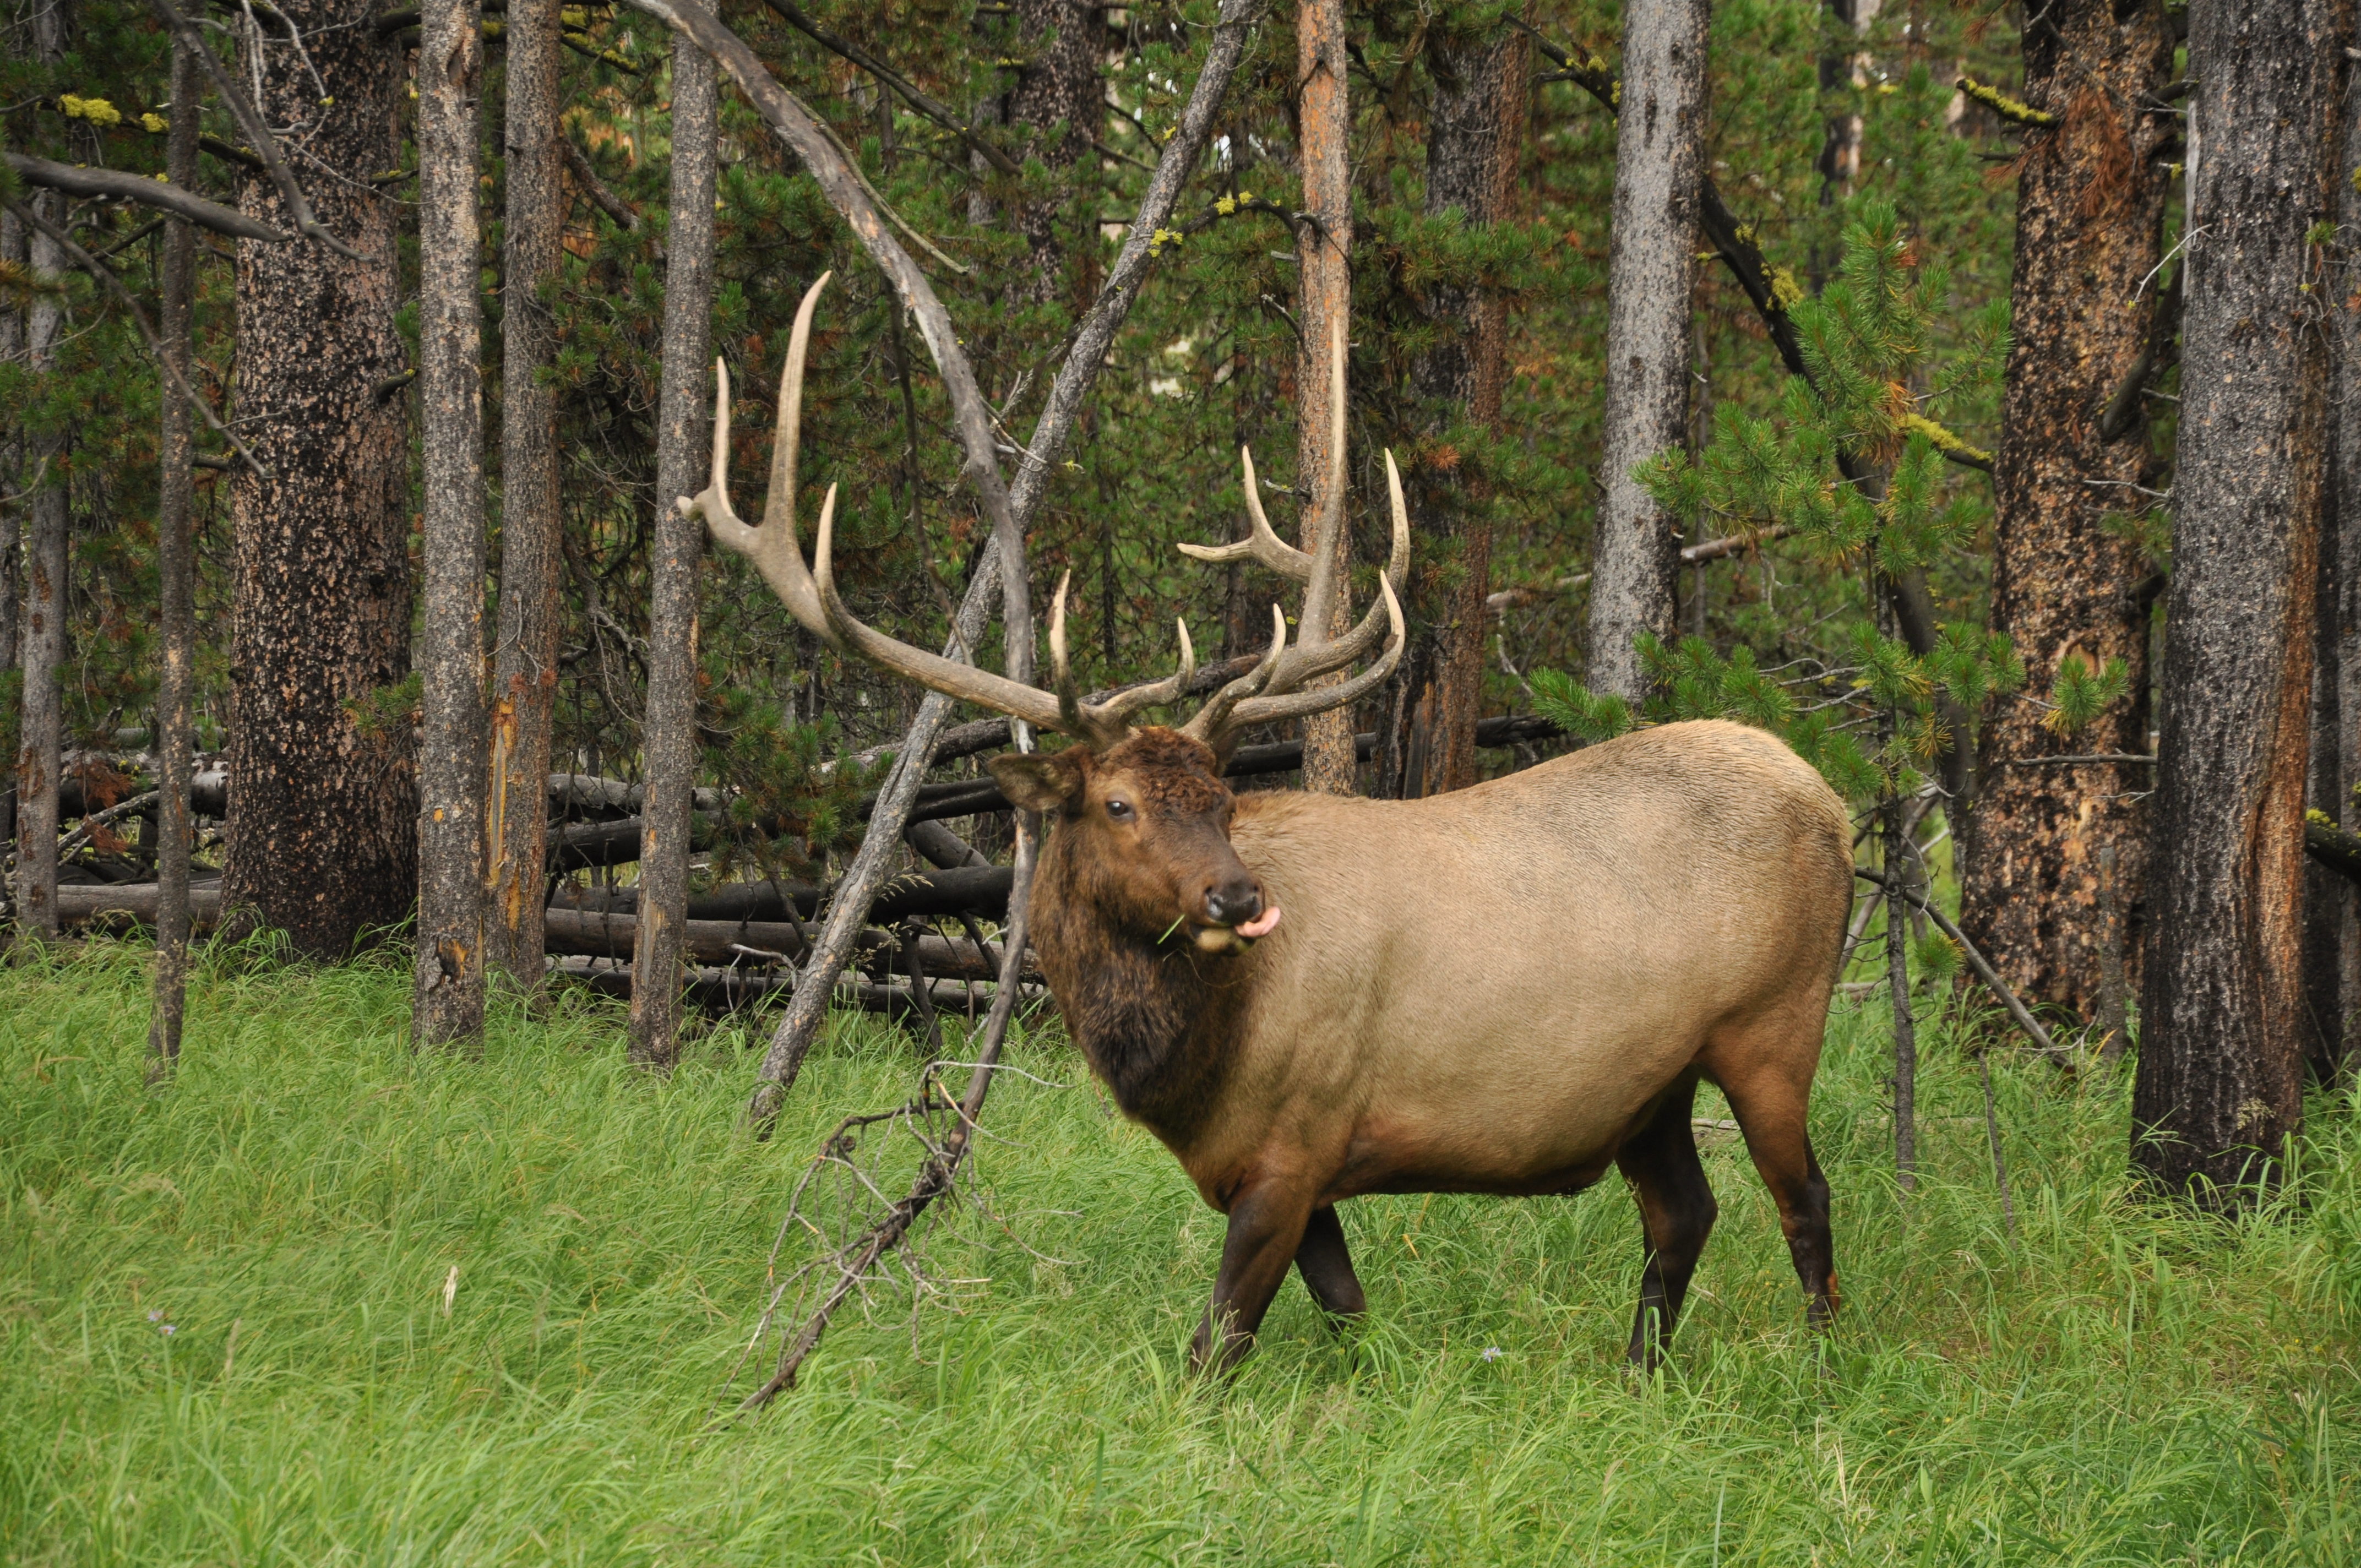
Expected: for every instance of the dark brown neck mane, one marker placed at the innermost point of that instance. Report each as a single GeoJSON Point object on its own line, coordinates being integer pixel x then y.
{"type": "Point", "coordinates": [1157, 1018]}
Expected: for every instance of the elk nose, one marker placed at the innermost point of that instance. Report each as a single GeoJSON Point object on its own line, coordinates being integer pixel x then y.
{"type": "Point", "coordinates": [1233, 903]}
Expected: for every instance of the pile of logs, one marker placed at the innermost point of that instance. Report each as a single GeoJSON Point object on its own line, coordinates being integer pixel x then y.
{"type": "Point", "coordinates": [745, 940]}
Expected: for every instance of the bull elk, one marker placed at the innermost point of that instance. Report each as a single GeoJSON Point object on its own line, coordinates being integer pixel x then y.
{"type": "Point", "coordinates": [1504, 990]}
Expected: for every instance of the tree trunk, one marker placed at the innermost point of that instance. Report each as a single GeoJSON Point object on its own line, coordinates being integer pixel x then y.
{"type": "Point", "coordinates": [2089, 217]}
{"type": "Point", "coordinates": [2344, 517]}
{"type": "Point", "coordinates": [1324, 250]}
{"type": "Point", "coordinates": [2219, 1063]}
{"type": "Point", "coordinates": [1651, 277]}
{"type": "Point", "coordinates": [15, 251]}
{"type": "Point", "coordinates": [176, 569]}
{"type": "Point", "coordinates": [668, 735]}
{"type": "Point", "coordinates": [322, 839]}
{"type": "Point", "coordinates": [448, 1008]}
{"type": "Point", "coordinates": [1064, 40]}
{"type": "Point", "coordinates": [524, 652]}
{"type": "Point", "coordinates": [43, 610]}
{"type": "Point", "coordinates": [1476, 134]}
{"type": "Point", "coordinates": [44, 646]}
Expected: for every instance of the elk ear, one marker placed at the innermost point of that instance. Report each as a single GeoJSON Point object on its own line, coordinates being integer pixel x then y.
{"type": "Point", "coordinates": [1040, 780]}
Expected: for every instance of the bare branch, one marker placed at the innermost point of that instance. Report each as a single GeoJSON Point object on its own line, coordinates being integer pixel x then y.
{"type": "Point", "coordinates": [114, 285]}
{"type": "Point", "coordinates": [251, 121]}
{"type": "Point", "coordinates": [115, 184]}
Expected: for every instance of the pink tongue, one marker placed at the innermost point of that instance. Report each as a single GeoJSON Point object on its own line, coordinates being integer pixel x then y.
{"type": "Point", "coordinates": [1261, 924]}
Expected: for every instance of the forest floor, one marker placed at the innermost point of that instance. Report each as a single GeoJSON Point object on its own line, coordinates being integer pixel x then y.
{"type": "Point", "coordinates": [227, 1336]}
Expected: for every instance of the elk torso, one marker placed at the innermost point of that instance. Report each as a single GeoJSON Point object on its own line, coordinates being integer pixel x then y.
{"type": "Point", "coordinates": [1479, 992]}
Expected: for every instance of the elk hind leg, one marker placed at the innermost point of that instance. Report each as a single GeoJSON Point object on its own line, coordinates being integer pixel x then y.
{"type": "Point", "coordinates": [1326, 1265]}
{"type": "Point", "coordinates": [1676, 1214]}
{"type": "Point", "coordinates": [1767, 1077]}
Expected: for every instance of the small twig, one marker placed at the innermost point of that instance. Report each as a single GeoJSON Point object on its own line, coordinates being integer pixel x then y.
{"type": "Point", "coordinates": [1984, 971]}
{"type": "Point", "coordinates": [2091, 759]}
{"type": "Point", "coordinates": [2006, 107]}
{"type": "Point", "coordinates": [91, 264]}
{"type": "Point", "coordinates": [92, 824]}
{"type": "Point", "coordinates": [251, 121]}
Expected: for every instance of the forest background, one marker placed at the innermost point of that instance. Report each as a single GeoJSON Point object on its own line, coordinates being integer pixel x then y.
{"type": "Point", "coordinates": [1935, 556]}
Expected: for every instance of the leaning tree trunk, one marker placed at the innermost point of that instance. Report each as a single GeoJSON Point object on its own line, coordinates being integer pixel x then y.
{"type": "Point", "coordinates": [1324, 250]}
{"type": "Point", "coordinates": [44, 646]}
{"type": "Point", "coordinates": [2089, 217]}
{"type": "Point", "coordinates": [1651, 276]}
{"type": "Point", "coordinates": [524, 652]}
{"type": "Point", "coordinates": [176, 568]}
{"type": "Point", "coordinates": [668, 735]}
{"type": "Point", "coordinates": [2219, 1061]}
{"type": "Point", "coordinates": [1476, 134]}
{"type": "Point", "coordinates": [322, 839]}
{"type": "Point", "coordinates": [449, 1001]}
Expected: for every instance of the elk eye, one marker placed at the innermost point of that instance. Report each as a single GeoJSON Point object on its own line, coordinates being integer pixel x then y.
{"type": "Point", "coordinates": [1119, 808]}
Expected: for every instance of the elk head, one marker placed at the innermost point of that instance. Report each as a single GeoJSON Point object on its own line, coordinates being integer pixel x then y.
{"type": "Point", "coordinates": [1146, 805]}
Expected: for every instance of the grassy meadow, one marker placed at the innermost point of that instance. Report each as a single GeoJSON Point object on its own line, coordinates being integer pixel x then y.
{"type": "Point", "coordinates": [223, 1307]}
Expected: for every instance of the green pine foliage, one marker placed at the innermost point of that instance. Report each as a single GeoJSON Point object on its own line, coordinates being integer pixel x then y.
{"type": "Point", "coordinates": [1851, 697]}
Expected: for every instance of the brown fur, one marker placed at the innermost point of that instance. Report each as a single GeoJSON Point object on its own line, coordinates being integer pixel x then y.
{"type": "Point", "coordinates": [1507, 988]}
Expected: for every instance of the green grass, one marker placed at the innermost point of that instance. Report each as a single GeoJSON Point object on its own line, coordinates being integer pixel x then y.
{"type": "Point", "coordinates": [2131, 1385]}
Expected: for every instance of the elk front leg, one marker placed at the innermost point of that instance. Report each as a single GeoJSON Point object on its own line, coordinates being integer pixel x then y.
{"type": "Point", "coordinates": [1266, 1225]}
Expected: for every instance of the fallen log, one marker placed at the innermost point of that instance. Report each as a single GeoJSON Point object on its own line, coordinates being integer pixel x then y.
{"type": "Point", "coordinates": [719, 991]}
{"type": "Point", "coordinates": [981, 891]}
{"type": "Point", "coordinates": [610, 934]}
{"type": "Point", "coordinates": [133, 902]}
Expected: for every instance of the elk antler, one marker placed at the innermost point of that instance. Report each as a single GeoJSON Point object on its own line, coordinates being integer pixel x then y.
{"type": "Point", "coordinates": [1273, 689]}
{"type": "Point", "coordinates": [811, 598]}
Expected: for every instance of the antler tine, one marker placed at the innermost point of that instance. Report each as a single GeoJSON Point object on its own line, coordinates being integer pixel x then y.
{"type": "Point", "coordinates": [1302, 704]}
{"type": "Point", "coordinates": [1320, 589]}
{"type": "Point", "coordinates": [1309, 662]}
{"type": "Point", "coordinates": [930, 669]}
{"type": "Point", "coordinates": [1262, 544]}
{"type": "Point", "coordinates": [1213, 718]}
{"type": "Point", "coordinates": [1093, 725]}
{"type": "Point", "coordinates": [1172, 688]}
{"type": "Point", "coordinates": [774, 548]}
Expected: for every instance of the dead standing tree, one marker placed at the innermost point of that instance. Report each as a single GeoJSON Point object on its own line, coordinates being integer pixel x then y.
{"type": "Point", "coordinates": [794, 125]}
{"type": "Point", "coordinates": [1651, 277]}
{"type": "Point", "coordinates": [447, 1006]}
{"type": "Point", "coordinates": [176, 566]}
{"type": "Point", "coordinates": [1324, 250]}
{"type": "Point", "coordinates": [668, 734]}
{"type": "Point", "coordinates": [2220, 1081]}
{"type": "Point", "coordinates": [524, 644]}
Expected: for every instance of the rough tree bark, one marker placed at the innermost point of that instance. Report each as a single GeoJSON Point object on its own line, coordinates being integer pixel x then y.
{"type": "Point", "coordinates": [15, 249]}
{"type": "Point", "coordinates": [668, 734]}
{"type": "Point", "coordinates": [1651, 277]}
{"type": "Point", "coordinates": [2333, 911]}
{"type": "Point", "coordinates": [2089, 217]}
{"type": "Point", "coordinates": [43, 648]}
{"type": "Point", "coordinates": [1324, 250]}
{"type": "Point", "coordinates": [447, 1006]}
{"type": "Point", "coordinates": [176, 569]}
{"type": "Point", "coordinates": [320, 837]}
{"type": "Point", "coordinates": [2219, 1061]}
{"type": "Point", "coordinates": [1058, 84]}
{"type": "Point", "coordinates": [44, 639]}
{"type": "Point", "coordinates": [524, 648]}
{"type": "Point", "coordinates": [1476, 134]}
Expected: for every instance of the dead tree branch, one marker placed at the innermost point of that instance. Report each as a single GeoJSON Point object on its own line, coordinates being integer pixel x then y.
{"type": "Point", "coordinates": [251, 121]}
{"type": "Point", "coordinates": [1984, 971]}
{"type": "Point", "coordinates": [115, 184]}
{"type": "Point", "coordinates": [114, 285]}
